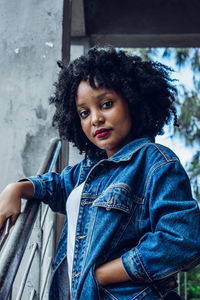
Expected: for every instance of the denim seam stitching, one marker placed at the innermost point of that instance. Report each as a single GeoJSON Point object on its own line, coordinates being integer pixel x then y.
{"type": "Point", "coordinates": [140, 218]}
{"type": "Point", "coordinates": [109, 207]}
{"type": "Point", "coordinates": [152, 170]}
{"type": "Point", "coordinates": [109, 294]}
{"type": "Point", "coordinates": [122, 232]}
{"type": "Point", "coordinates": [131, 155]}
{"type": "Point", "coordinates": [162, 152]}
{"type": "Point", "coordinates": [137, 254]}
{"type": "Point", "coordinates": [147, 288]}
{"type": "Point", "coordinates": [158, 291]}
{"type": "Point", "coordinates": [98, 187]}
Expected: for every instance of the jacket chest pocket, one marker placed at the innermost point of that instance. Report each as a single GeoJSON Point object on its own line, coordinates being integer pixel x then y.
{"type": "Point", "coordinates": [116, 197]}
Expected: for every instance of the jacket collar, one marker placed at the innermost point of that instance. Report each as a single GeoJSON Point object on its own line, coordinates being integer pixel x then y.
{"type": "Point", "coordinates": [124, 154]}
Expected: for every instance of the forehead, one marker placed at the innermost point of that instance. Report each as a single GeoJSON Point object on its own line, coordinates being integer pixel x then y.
{"type": "Point", "coordinates": [84, 88]}
{"type": "Point", "coordinates": [85, 91]}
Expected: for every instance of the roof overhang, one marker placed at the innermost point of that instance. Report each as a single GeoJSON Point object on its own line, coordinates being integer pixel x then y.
{"type": "Point", "coordinates": [136, 23]}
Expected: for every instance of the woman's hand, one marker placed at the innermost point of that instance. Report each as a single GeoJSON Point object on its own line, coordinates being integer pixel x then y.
{"type": "Point", "coordinates": [111, 272]}
{"type": "Point", "coordinates": [10, 200]}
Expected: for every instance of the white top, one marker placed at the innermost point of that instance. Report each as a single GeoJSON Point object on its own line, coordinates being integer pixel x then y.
{"type": "Point", "coordinates": [72, 208]}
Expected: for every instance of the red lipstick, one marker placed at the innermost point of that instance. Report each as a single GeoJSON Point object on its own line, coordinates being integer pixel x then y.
{"type": "Point", "coordinates": [102, 133]}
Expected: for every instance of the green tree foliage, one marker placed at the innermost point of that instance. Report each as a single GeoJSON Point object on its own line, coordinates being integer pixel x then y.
{"type": "Point", "coordinates": [189, 108]}
{"type": "Point", "coordinates": [193, 284]}
{"type": "Point", "coordinates": [188, 102]}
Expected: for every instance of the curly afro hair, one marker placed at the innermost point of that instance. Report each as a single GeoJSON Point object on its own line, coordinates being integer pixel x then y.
{"type": "Point", "coordinates": [145, 85]}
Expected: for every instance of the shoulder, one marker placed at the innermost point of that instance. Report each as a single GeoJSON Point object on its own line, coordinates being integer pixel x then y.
{"type": "Point", "coordinates": [155, 153]}
{"type": "Point", "coordinates": [75, 169]}
{"type": "Point", "coordinates": [162, 162]}
{"type": "Point", "coordinates": [159, 160]}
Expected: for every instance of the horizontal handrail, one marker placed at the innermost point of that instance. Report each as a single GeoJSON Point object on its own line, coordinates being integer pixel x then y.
{"type": "Point", "coordinates": [14, 248]}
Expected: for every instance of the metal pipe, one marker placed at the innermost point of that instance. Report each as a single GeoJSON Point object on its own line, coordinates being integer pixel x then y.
{"type": "Point", "coordinates": [44, 215]}
{"type": "Point", "coordinates": [21, 289]}
{"type": "Point", "coordinates": [185, 284]}
{"type": "Point", "coordinates": [46, 242]}
{"type": "Point", "coordinates": [32, 295]}
{"type": "Point", "coordinates": [46, 277]}
{"type": "Point", "coordinates": [179, 283]}
{"type": "Point", "coordinates": [14, 248]}
{"type": "Point", "coordinates": [55, 156]}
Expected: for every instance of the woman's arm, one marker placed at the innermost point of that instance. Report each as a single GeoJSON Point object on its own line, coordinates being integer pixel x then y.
{"type": "Point", "coordinates": [171, 242]}
{"type": "Point", "coordinates": [10, 200]}
{"type": "Point", "coordinates": [111, 272]}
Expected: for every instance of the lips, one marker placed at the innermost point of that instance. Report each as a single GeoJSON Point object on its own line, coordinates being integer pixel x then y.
{"type": "Point", "coordinates": [102, 132]}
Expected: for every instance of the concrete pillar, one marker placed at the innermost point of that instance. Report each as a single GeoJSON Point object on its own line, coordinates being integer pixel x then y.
{"type": "Point", "coordinates": [31, 34]}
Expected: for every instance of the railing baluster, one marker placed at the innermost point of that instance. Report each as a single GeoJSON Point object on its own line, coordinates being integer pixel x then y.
{"type": "Point", "coordinates": [179, 283]}
{"type": "Point", "coordinates": [46, 241]}
{"type": "Point", "coordinates": [32, 295]}
{"type": "Point", "coordinates": [185, 285]}
{"type": "Point", "coordinates": [47, 273]}
{"type": "Point", "coordinates": [21, 289]}
{"type": "Point", "coordinates": [44, 215]}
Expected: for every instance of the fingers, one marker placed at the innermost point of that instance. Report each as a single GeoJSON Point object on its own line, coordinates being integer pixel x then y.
{"type": "Point", "coordinates": [13, 219]}
{"type": "Point", "coordinates": [2, 221]}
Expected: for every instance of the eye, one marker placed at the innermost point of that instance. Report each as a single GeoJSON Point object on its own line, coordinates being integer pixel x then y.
{"type": "Point", "coordinates": [107, 104]}
{"type": "Point", "coordinates": [83, 114]}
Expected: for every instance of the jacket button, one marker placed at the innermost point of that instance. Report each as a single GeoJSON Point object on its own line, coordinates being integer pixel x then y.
{"type": "Point", "coordinates": [80, 237]}
{"type": "Point", "coordinates": [76, 275]}
{"type": "Point", "coordinates": [108, 208]}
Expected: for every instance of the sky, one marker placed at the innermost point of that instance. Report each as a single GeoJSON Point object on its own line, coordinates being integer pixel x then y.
{"type": "Point", "coordinates": [184, 76]}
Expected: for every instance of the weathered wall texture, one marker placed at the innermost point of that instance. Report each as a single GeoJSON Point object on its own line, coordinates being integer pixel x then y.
{"type": "Point", "coordinates": [30, 45]}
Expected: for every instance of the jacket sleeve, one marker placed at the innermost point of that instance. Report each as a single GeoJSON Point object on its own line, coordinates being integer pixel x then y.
{"type": "Point", "coordinates": [173, 240]}
{"type": "Point", "coordinates": [54, 188]}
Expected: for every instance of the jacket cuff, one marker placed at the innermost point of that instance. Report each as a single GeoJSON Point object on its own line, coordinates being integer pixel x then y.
{"type": "Point", "coordinates": [38, 186]}
{"type": "Point", "coordinates": [134, 267]}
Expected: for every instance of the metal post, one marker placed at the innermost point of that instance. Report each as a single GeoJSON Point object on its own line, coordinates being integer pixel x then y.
{"type": "Point", "coordinates": [185, 285]}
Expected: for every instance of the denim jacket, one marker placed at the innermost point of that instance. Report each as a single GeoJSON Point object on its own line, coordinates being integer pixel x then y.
{"type": "Point", "coordinates": [136, 205]}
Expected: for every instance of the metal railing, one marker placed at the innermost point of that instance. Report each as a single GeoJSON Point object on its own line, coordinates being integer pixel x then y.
{"type": "Point", "coordinates": [17, 244]}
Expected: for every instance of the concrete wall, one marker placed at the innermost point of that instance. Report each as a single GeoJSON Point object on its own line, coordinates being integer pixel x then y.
{"type": "Point", "coordinates": [30, 45]}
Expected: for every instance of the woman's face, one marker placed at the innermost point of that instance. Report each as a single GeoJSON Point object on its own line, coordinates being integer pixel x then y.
{"type": "Point", "coordinates": [105, 117]}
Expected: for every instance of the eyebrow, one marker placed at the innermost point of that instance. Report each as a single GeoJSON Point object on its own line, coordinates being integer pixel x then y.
{"type": "Point", "coordinates": [102, 95]}
{"type": "Point", "coordinates": [97, 97]}
{"type": "Point", "coordinates": [80, 105]}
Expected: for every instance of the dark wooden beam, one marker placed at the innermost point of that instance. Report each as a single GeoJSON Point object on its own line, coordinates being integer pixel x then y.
{"type": "Point", "coordinates": [146, 40]}
{"type": "Point", "coordinates": [66, 33]}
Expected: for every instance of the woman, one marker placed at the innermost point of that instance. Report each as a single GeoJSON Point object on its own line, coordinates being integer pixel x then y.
{"type": "Point", "coordinates": [131, 221]}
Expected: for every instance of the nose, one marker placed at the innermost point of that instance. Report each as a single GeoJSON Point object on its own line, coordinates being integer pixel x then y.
{"type": "Point", "coordinates": [97, 118]}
